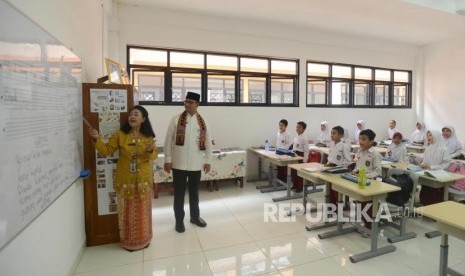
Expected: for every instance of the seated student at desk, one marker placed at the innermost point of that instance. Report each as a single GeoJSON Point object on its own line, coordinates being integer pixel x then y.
{"type": "Point", "coordinates": [453, 145]}
{"type": "Point", "coordinates": [358, 129]}
{"type": "Point", "coordinates": [435, 157]}
{"type": "Point", "coordinates": [369, 158]}
{"type": "Point", "coordinates": [339, 155]}
{"type": "Point", "coordinates": [324, 136]}
{"type": "Point", "coordinates": [300, 148]}
{"type": "Point", "coordinates": [397, 151]}
{"type": "Point", "coordinates": [419, 135]}
{"type": "Point", "coordinates": [283, 141]}
{"type": "Point", "coordinates": [392, 129]}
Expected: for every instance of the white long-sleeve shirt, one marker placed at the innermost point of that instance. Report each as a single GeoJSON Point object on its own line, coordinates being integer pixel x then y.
{"type": "Point", "coordinates": [301, 144]}
{"type": "Point", "coordinates": [339, 154]}
{"type": "Point", "coordinates": [283, 140]}
{"type": "Point", "coordinates": [188, 157]}
{"type": "Point", "coordinates": [371, 160]}
{"type": "Point", "coordinates": [396, 152]}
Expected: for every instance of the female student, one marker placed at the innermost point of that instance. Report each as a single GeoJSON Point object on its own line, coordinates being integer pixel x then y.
{"type": "Point", "coordinates": [392, 129]}
{"type": "Point", "coordinates": [300, 147]}
{"type": "Point", "coordinates": [358, 129]}
{"type": "Point", "coordinates": [397, 151]}
{"type": "Point", "coordinates": [435, 157]}
{"type": "Point", "coordinates": [324, 136]}
{"type": "Point", "coordinates": [419, 135]}
{"type": "Point", "coordinates": [283, 141]}
{"type": "Point", "coordinates": [453, 145]}
{"type": "Point", "coordinates": [133, 179]}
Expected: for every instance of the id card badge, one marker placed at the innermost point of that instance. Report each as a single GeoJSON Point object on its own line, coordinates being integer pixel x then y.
{"type": "Point", "coordinates": [132, 167]}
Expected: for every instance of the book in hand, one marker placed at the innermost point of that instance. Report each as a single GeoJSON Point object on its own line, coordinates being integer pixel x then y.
{"type": "Point", "coordinates": [354, 178]}
{"type": "Point", "coordinates": [438, 174]}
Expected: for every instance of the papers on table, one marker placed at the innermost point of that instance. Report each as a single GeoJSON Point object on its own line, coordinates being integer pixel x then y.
{"type": "Point", "coordinates": [439, 174]}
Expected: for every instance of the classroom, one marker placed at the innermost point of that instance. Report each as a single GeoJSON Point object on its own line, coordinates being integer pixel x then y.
{"type": "Point", "coordinates": [416, 47]}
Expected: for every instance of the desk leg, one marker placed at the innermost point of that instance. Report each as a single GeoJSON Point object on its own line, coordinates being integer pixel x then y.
{"type": "Point", "coordinates": [436, 233]}
{"type": "Point", "coordinates": [443, 255]}
{"type": "Point", "coordinates": [288, 186]}
{"type": "Point", "coordinates": [260, 176]}
{"type": "Point", "coordinates": [325, 224]}
{"type": "Point", "coordinates": [273, 181]}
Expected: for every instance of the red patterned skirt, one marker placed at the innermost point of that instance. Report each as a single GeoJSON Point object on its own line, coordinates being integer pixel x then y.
{"type": "Point", "coordinates": [135, 221]}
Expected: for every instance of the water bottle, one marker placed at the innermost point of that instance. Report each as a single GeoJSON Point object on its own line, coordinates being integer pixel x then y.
{"type": "Point", "coordinates": [362, 178]}
{"type": "Point", "coordinates": [267, 146]}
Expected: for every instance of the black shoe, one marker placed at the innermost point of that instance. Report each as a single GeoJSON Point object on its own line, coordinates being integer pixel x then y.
{"type": "Point", "coordinates": [199, 222]}
{"type": "Point", "coordinates": [180, 227]}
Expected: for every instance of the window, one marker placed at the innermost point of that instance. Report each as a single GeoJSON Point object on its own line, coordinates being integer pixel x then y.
{"type": "Point", "coordinates": [344, 85]}
{"type": "Point", "coordinates": [164, 76]}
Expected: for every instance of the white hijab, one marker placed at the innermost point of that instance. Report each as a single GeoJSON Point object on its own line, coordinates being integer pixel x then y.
{"type": "Point", "coordinates": [436, 153]}
{"type": "Point", "coordinates": [357, 131]}
{"type": "Point", "coordinates": [452, 143]}
{"type": "Point", "coordinates": [419, 135]}
{"type": "Point", "coordinates": [324, 136]}
{"type": "Point", "coordinates": [346, 138]}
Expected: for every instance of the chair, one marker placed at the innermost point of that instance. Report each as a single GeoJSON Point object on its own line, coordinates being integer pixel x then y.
{"type": "Point", "coordinates": [457, 195]}
{"type": "Point", "coordinates": [406, 206]}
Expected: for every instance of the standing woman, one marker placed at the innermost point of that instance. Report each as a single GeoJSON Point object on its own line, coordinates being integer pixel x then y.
{"type": "Point", "coordinates": [133, 179]}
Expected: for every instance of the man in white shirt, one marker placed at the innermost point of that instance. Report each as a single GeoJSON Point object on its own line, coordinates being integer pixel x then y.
{"type": "Point", "coordinates": [187, 152]}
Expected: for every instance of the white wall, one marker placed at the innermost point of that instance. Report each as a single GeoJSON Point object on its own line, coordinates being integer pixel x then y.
{"type": "Point", "coordinates": [245, 126]}
{"type": "Point", "coordinates": [445, 85]}
{"type": "Point", "coordinates": [52, 244]}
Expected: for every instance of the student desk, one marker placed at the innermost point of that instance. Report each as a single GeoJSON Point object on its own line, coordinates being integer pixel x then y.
{"type": "Point", "coordinates": [374, 193]}
{"type": "Point", "coordinates": [430, 182]}
{"type": "Point", "coordinates": [257, 153]}
{"type": "Point", "coordinates": [415, 149]}
{"type": "Point", "coordinates": [277, 160]}
{"type": "Point", "coordinates": [450, 221]}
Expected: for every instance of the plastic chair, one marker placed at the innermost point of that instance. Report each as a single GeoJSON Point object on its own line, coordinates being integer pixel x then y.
{"type": "Point", "coordinates": [407, 207]}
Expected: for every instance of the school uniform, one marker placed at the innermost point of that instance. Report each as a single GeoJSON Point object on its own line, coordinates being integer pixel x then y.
{"type": "Point", "coordinates": [371, 160]}
{"type": "Point", "coordinates": [339, 155]}
{"type": "Point", "coordinates": [324, 137]}
{"type": "Point", "coordinates": [300, 147]}
{"type": "Point", "coordinates": [391, 132]}
{"type": "Point", "coordinates": [396, 152]}
{"type": "Point", "coordinates": [437, 157]}
{"type": "Point", "coordinates": [283, 141]}
{"type": "Point", "coordinates": [419, 135]}
{"type": "Point", "coordinates": [357, 131]}
{"type": "Point", "coordinates": [453, 145]}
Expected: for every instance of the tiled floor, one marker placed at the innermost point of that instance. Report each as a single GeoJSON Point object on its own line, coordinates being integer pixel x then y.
{"type": "Point", "coordinates": [237, 241]}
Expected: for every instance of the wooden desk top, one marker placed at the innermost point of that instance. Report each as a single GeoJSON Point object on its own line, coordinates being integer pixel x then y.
{"type": "Point", "coordinates": [448, 212]}
{"type": "Point", "coordinates": [272, 155]}
{"type": "Point", "coordinates": [404, 165]}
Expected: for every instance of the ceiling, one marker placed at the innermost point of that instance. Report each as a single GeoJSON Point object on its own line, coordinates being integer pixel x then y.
{"type": "Point", "coordinates": [391, 20]}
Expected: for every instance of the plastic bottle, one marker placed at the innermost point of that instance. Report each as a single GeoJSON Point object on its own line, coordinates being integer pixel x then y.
{"type": "Point", "coordinates": [362, 178]}
{"type": "Point", "coordinates": [267, 146]}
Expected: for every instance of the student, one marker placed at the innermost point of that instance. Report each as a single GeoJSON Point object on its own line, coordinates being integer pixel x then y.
{"type": "Point", "coordinates": [324, 137]}
{"type": "Point", "coordinates": [397, 151]}
{"type": "Point", "coordinates": [339, 154]}
{"type": "Point", "coordinates": [283, 141]}
{"type": "Point", "coordinates": [435, 157]}
{"type": "Point", "coordinates": [300, 148]}
{"type": "Point", "coordinates": [453, 145]}
{"type": "Point", "coordinates": [369, 158]}
{"type": "Point", "coordinates": [358, 129]}
{"type": "Point", "coordinates": [419, 135]}
{"type": "Point", "coordinates": [346, 138]}
{"type": "Point", "coordinates": [392, 129]}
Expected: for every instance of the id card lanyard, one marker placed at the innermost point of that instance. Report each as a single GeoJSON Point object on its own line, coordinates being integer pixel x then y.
{"type": "Point", "coordinates": [134, 157]}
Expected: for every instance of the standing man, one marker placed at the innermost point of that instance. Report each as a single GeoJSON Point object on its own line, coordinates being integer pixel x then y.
{"type": "Point", "coordinates": [187, 141]}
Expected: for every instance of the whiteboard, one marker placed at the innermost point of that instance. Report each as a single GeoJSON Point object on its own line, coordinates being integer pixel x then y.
{"type": "Point", "coordinates": [40, 121]}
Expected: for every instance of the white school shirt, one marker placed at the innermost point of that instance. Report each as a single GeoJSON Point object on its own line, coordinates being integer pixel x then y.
{"type": "Point", "coordinates": [391, 132]}
{"type": "Point", "coordinates": [453, 145]}
{"type": "Point", "coordinates": [371, 160]}
{"type": "Point", "coordinates": [283, 140]}
{"type": "Point", "coordinates": [301, 144]}
{"type": "Point", "coordinates": [188, 157]}
{"type": "Point", "coordinates": [339, 154]}
{"type": "Point", "coordinates": [397, 152]}
{"type": "Point", "coordinates": [436, 155]}
{"type": "Point", "coordinates": [419, 135]}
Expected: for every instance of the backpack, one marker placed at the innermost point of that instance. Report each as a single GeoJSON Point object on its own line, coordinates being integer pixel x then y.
{"type": "Point", "coordinates": [405, 183]}
{"type": "Point", "coordinates": [314, 156]}
{"type": "Point", "coordinates": [458, 167]}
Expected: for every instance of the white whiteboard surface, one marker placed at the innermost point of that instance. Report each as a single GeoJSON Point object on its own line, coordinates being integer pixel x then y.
{"type": "Point", "coordinates": [40, 121]}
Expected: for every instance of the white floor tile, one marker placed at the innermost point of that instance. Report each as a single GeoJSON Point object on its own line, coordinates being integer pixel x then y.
{"type": "Point", "coordinates": [258, 229]}
{"type": "Point", "coordinates": [125, 270]}
{"type": "Point", "coordinates": [172, 244]}
{"type": "Point", "coordinates": [222, 235]}
{"type": "Point", "coordinates": [318, 267]}
{"type": "Point", "coordinates": [184, 265]}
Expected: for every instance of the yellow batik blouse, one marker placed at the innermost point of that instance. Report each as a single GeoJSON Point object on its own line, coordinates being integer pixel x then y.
{"type": "Point", "coordinates": [130, 184]}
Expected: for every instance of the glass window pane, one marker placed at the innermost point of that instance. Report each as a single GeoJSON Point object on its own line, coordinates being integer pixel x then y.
{"type": "Point", "coordinates": [254, 65]}
{"type": "Point", "coordinates": [363, 73]}
{"type": "Point", "coordinates": [381, 94]}
{"type": "Point", "coordinates": [361, 93]}
{"type": "Point", "coordinates": [282, 91]}
{"type": "Point", "coordinates": [219, 62]}
{"type": "Point", "coordinates": [340, 93]}
{"type": "Point", "coordinates": [382, 75]}
{"type": "Point", "coordinates": [253, 90]}
{"type": "Point", "coordinates": [221, 89]}
{"type": "Point", "coordinates": [184, 82]}
{"type": "Point", "coordinates": [148, 57]}
{"type": "Point", "coordinates": [342, 71]}
{"type": "Point", "coordinates": [400, 76]}
{"type": "Point", "coordinates": [283, 67]}
{"type": "Point", "coordinates": [186, 60]}
{"type": "Point", "coordinates": [316, 92]}
{"type": "Point", "coordinates": [150, 85]}
{"type": "Point", "coordinates": [317, 70]}
{"type": "Point", "coordinates": [400, 95]}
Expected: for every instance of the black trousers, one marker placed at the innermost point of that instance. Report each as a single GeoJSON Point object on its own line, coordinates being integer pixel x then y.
{"type": "Point", "coordinates": [181, 179]}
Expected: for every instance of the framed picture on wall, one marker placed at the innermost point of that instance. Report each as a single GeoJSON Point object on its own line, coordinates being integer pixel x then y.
{"type": "Point", "coordinates": [114, 71]}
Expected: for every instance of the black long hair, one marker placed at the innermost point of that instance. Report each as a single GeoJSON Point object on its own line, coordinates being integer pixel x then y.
{"type": "Point", "coordinates": [145, 128]}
